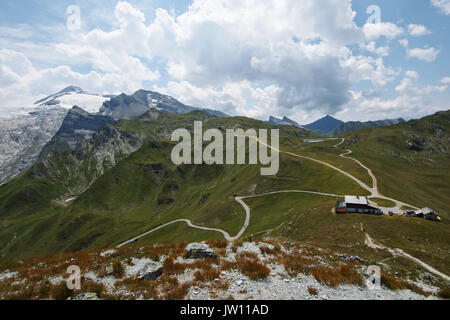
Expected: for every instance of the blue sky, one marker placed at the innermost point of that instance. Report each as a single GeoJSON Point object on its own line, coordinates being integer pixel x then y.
{"type": "Point", "coordinates": [236, 56]}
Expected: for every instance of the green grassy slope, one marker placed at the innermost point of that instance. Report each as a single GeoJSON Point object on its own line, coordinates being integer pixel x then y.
{"type": "Point", "coordinates": [145, 190]}
{"type": "Point", "coordinates": [411, 160]}
{"type": "Point", "coordinates": [308, 218]}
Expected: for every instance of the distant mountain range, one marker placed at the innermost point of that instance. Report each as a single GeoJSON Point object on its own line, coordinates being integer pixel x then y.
{"type": "Point", "coordinates": [331, 125]}
{"type": "Point", "coordinates": [67, 119]}
{"type": "Point", "coordinates": [326, 124]}
{"type": "Point", "coordinates": [131, 106]}
{"type": "Point", "coordinates": [97, 188]}
{"type": "Point", "coordinates": [285, 121]}
{"type": "Point", "coordinates": [357, 125]}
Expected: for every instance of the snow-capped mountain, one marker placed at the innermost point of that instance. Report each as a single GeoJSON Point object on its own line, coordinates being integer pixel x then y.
{"type": "Point", "coordinates": [132, 106]}
{"type": "Point", "coordinates": [28, 130]}
{"type": "Point", "coordinates": [25, 131]}
{"type": "Point", "coordinates": [73, 96]}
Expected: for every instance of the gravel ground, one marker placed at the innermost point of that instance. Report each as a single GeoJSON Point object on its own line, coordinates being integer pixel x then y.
{"type": "Point", "coordinates": [278, 287]}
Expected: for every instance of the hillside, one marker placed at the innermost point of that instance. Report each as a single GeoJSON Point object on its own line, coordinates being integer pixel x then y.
{"type": "Point", "coordinates": [412, 160]}
{"type": "Point", "coordinates": [120, 184]}
{"type": "Point", "coordinates": [358, 125]}
{"type": "Point", "coordinates": [130, 193]}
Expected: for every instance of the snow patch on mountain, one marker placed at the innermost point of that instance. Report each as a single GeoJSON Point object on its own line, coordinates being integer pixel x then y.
{"type": "Point", "coordinates": [73, 96]}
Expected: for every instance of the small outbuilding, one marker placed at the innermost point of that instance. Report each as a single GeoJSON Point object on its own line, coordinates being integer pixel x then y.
{"type": "Point", "coordinates": [341, 207]}
{"type": "Point", "coordinates": [430, 214]}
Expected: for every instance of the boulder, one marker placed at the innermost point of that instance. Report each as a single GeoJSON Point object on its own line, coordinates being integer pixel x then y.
{"type": "Point", "coordinates": [87, 296]}
{"type": "Point", "coordinates": [198, 251]}
{"type": "Point", "coordinates": [109, 269]}
{"type": "Point", "coordinates": [153, 275]}
{"type": "Point", "coordinates": [144, 269]}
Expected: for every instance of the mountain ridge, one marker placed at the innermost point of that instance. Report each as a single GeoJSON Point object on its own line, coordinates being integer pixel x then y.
{"type": "Point", "coordinates": [130, 106]}
{"type": "Point", "coordinates": [326, 124]}
{"type": "Point", "coordinates": [284, 121]}
{"type": "Point", "coordinates": [358, 125]}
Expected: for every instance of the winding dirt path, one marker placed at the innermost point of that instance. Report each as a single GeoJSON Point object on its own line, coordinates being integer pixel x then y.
{"type": "Point", "coordinates": [373, 191]}
{"type": "Point", "coordinates": [226, 235]}
{"type": "Point", "coordinates": [188, 222]}
{"type": "Point", "coordinates": [399, 252]}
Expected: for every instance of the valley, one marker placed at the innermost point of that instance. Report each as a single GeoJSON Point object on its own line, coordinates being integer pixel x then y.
{"type": "Point", "coordinates": [102, 182]}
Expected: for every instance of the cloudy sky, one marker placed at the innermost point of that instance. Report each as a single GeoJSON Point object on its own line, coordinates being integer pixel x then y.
{"type": "Point", "coordinates": [356, 60]}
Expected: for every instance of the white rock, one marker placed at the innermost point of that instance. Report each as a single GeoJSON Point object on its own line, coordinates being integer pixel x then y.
{"type": "Point", "coordinates": [56, 280]}
{"type": "Point", "coordinates": [7, 275]}
{"type": "Point", "coordinates": [144, 268]}
{"type": "Point", "coordinates": [198, 250]}
{"type": "Point", "coordinates": [107, 253]}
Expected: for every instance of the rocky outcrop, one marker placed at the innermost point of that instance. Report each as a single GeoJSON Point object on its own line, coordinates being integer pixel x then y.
{"type": "Point", "coordinates": [77, 127]}
{"type": "Point", "coordinates": [198, 251]}
{"type": "Point", "coordinates": [76, 169]}
{"type": "Point", "coordinates": [144, 269]}
{"type": "Point", "coordinates": [87, 296]}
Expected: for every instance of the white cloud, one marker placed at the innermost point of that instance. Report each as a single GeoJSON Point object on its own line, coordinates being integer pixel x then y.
{"type": "Point", "coordinates": [371, 47]}
{"type": "Point", "coordinates": [426, 54]}
{"type": "Point", "coordinates": [412, 74]}
{"type": "Point", "coordinates": [444, 5]}
{"type": "Point", "coordinates": [370, 69]}
{"type": "Point", "coordinates": [21, 83]}
{"type": "Point", "coordinates": [245, 57]}
{"type": "Point", "coordinates": [404, 42]}
{"type": "Point", "coordinates": [234, 98]}
{"type": "Point", "coordinates": [418, 30]}
{"type": "Point", "coordinates": [446, 80]}
{"type": "Point", "coordinates": [412, 101]}
{"type": "Point", "coordinates": [219, 43]}
{"type": "Point", "coordinates": [388, 30]}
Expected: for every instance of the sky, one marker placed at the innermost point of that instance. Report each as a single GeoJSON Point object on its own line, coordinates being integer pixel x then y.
{"type": "Point", "coordinates": [304, 59]}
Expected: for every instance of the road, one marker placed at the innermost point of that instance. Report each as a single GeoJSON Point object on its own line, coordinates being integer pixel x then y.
{"type": "Point", "coordinates": [226, 235]}
{"type": "Point", "coordinates": [373, 193]}
{"type": "Point", "coordinates": [188, 222]}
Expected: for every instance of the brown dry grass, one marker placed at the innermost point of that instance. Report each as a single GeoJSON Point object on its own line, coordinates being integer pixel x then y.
{"type": "Point", "coordinates": [333, 277]}
{"type": "Point", "coordinates": [249, 264]}
{"type": "Point", "coordinates": [171, 267]}
{"type": "Point", "coordinates": [295, 263]}
{"type": "Point", "coordinates": [207, 275]}
{"type": "Point", "coordinates": [313, 291]}
{"type": "Point", "coordinates": [219, 244]}
{"type": "Point", "coordinates": [266, 250]}
{"type": "Point", "coordinates": [397, 284]}
{"type": "Point", "coordinates": [61, 292]}
{"type": "Point", "coordinates": [33, 274]}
